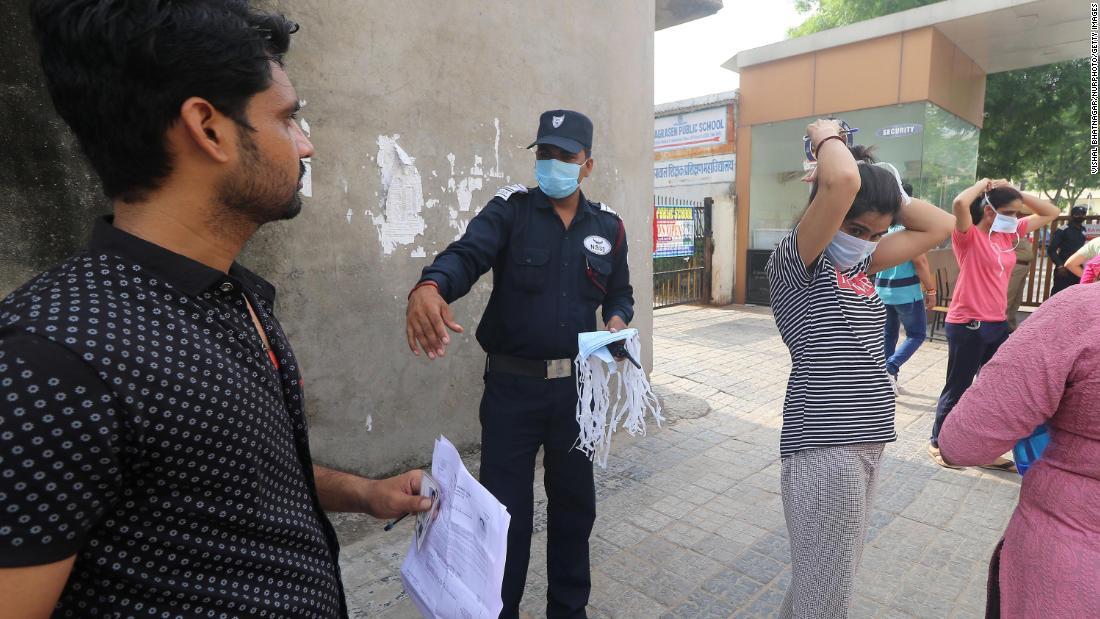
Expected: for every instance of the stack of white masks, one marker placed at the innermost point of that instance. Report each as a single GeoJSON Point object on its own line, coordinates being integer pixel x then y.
{"type": "Point", "coordinates": [634, 397]}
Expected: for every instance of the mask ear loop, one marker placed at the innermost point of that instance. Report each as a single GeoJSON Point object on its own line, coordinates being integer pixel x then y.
{"type": "Point", "coordinates": [905, 199]}
{"type": "Point", "coordinates": [986, 202]}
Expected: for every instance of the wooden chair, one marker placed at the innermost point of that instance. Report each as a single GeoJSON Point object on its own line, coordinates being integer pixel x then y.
{"type": "Point", "coordinates": [938, 313]}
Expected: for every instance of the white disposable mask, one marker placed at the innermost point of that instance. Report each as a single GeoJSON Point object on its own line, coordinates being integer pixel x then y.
{"type": "Point", "coordinates": [846, 251]}
{"type": "Point", "coordinates": [1005, 223]}
{"type": "Point", "coordinates": [1001, 223]}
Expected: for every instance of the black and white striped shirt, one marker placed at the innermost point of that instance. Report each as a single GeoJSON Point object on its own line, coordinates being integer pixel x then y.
{"type": "Point", "coordinates": [832, 321]}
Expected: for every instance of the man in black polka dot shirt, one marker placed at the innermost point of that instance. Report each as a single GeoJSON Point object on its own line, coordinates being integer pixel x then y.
{"type": "Point", "coordinates": [154, 460]}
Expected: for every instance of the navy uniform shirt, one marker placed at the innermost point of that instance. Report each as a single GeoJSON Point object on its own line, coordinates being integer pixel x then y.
{"type": "Point", "coordinates": [547, 281]}
{"type": "Point", "coordinates": [1065, 242]}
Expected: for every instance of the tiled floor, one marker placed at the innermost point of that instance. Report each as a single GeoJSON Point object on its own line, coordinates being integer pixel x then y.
{"type": "Point", "coordinates": [690, 519]}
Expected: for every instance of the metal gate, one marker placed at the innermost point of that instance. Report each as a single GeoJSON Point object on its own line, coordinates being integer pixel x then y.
{"type": "Point", "coordinates": [1041, 276]}
{"type": "Point", "coordinates": [682, 249]}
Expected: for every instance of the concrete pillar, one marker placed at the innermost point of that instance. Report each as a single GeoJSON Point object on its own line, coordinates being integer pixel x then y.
{"type": "Point", "coordinates": [724, 228]}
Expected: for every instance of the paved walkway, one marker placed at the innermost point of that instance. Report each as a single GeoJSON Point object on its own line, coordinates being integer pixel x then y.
{"type": "Point", "coordinates": [690, 519]}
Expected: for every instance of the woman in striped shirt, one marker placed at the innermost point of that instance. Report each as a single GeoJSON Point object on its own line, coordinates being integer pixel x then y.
{"type": "Point", "coordinates": [839, 408]}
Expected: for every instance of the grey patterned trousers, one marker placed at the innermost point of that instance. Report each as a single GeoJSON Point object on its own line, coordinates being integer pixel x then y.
{"type": "Point", "coordinates": [827, 504]}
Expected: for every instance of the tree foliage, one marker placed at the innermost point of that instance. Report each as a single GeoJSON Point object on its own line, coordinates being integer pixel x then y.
{"type": "Point", "coordinates": [826, 14]}
{"type": "Point", "coordinates": [1037, 129]}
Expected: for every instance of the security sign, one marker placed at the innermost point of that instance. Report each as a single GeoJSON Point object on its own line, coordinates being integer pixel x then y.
{"type": "Point", "coordinates": [900, 131]}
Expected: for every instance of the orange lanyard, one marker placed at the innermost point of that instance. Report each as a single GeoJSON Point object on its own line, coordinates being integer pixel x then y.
{"type": "Point", "coordinates": [260, 331]}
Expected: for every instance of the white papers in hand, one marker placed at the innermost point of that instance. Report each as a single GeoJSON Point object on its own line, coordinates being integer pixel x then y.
{"type": "Point", "coordinates": [458, 570]}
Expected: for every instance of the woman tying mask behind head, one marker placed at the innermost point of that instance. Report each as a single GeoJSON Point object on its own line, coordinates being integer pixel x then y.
{"type": "Point", "coordinates": [839, 408]}
{"type": "Point", "coordinates": [987, 229]}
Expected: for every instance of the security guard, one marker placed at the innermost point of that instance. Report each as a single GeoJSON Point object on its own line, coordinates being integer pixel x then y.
{"type": "Point", "coordinates": [556, 257]}
{"type": "Point", "coordinates": [1064, 243]}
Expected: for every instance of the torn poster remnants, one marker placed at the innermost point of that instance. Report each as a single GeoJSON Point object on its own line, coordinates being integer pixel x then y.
{"type": "Point", "coordinates": [402, 197]}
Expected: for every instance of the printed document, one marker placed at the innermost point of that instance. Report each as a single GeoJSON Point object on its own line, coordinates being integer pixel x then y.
{"type": "Point", "coordinates": [458, 569]}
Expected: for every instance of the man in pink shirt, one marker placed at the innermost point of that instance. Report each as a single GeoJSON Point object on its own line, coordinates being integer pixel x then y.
{"type": "Point", "coordinates": [987, 231]}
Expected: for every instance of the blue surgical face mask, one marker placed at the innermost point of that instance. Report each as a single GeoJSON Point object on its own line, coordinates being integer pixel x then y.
{"type": "Point", "coordinates": [846, 251]}
{"type": "Point", "coordinates": [557, 179]}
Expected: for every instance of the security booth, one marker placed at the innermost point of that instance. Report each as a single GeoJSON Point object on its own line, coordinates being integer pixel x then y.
{"type": "Point", "coordinates": [913, 83]}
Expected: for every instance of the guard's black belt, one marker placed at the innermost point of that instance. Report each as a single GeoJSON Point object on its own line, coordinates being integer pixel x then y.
{"type": "Point", "coordinates": [535, 368]}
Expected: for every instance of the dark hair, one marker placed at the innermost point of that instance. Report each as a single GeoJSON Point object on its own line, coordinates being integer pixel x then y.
{"type": "Point", "coordinates": [119, 70]}
{"type": "Point", "coordinates": [878, 189]}
{"type": "Point", "coordinates": [908, 189]}
{"type": "Point", "coordinates": [998, 197]}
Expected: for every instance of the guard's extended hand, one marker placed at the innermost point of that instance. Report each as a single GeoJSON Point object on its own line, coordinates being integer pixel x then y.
{"type": "Point", "coordinates": [616, 324]}
{"type": "Point", "coordinates": [396, 496]}
{"type": "Point", "coordinates": [426, 322]}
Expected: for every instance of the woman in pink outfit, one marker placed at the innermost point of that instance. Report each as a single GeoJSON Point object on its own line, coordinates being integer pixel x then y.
{"type": "Point", "coordinates": [1047, 372]}
{"type": "Point", "coordinates": [1091, 271]}
{"type": "Point", "coordinates": [988, 230]}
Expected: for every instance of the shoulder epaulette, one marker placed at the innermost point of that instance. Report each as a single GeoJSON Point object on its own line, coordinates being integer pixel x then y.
{"type": "Point", "coordinates": [607, 209]}
{"type": "Point", "coordinates": [506, 192]}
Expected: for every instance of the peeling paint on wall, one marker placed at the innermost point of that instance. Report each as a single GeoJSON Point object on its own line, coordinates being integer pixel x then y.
{"type": "Point", "coordinates": [307, 178]}
{"type": "Point", "coordinates": [464, 189]}
{"type": "Point", "coordinates": [495, 172]}
{"type": "Point", "coordinates": [458, 224]}
{"type": "Point", "coordinates": [402, 197]}
{"type": "Point", "coordinates": [307, 163]}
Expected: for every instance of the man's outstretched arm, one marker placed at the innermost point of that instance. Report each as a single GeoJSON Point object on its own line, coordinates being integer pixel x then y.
{"type": "Point", "coordinates": [381, 498]}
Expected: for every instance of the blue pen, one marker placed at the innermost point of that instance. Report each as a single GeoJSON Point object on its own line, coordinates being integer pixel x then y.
{"type": "Point", "coordinates": [393, 524]}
